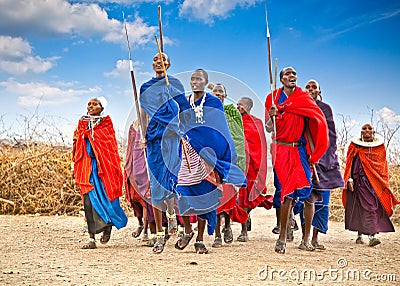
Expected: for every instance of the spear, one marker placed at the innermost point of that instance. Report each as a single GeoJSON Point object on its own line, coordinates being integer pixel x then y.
{"type": "Point", "coordinates": [135, 95]}
{"type": "Point", "coordinates": [160, 29]}
{"type": "Point", "coordinates": [271, 81]}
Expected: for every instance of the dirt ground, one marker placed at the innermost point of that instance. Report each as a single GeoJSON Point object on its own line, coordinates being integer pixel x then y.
{"type": "Point", "coordinates": [42, 250]}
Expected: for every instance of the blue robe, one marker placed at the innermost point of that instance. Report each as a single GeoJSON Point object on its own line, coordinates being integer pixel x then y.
{"type": "Point", "coordinates": [110, 212]}
{"type": "Point", "coordinates": [212, 140]}
{"type": "Point", "coordinates": [163, 104]}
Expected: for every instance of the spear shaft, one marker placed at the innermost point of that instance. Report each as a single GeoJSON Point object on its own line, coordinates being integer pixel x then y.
{"type": "Point", "coordinates": [160, 29]}
{"type": "Point", "coordinates": [135, 94]}
{"type": "Point", "coordinates": [271, 81]}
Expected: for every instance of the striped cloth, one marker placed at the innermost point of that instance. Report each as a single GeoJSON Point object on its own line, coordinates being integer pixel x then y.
{"type": "Point", "coordinates": [199, 169]}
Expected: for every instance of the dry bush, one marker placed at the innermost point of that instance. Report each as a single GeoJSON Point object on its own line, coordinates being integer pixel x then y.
{"type": "Point", "coordinates": [37, 179]}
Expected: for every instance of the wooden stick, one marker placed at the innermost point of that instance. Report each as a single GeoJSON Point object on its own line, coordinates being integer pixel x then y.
{"type": "Point", "coordinates": [7, 201]}
{"type": "Point", "coordinates": [160, 28]}
{"type": "Point", "coordinates": [162, 61]}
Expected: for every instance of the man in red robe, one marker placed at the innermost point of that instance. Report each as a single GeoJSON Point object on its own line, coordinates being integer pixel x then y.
{"type": "Point", "coordinates": [301, 139]}
{"type": "Point", "coordinates": [254, 195]}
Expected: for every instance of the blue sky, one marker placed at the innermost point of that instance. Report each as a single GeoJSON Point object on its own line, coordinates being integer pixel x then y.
{"type": "Point", "coordinates": [55, 55]}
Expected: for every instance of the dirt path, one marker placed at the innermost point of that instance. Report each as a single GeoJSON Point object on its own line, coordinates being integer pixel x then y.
{"type": "Point", "coordinates": [38, 250]}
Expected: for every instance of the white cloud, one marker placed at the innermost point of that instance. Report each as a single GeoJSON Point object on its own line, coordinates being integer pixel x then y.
{"type": "Point", "coordinates": [388, 116]}
{"type": "Point", "coordinates": [207, 10]}
{"type": "Point", "coordinates": [16, 57]}
{"type": "Point", "coordinates": [38, 93]}
{"type": "Point", "coordinates": [45, 18]}
{"type": "Point", "coordinates": [122, 70]}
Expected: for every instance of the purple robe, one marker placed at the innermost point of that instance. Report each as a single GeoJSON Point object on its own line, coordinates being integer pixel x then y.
{"type": "Point", "coordinates": [328, 167]}
{"type": "Point", "coordinates": [364, 212]}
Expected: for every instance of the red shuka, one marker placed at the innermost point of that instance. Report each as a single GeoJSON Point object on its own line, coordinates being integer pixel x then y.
{"type": "Point", "coordinates": [374, 163]}
{"type": "Point", "coordinates": [256, 165]}
{"type": "Point", "coordinates": [105, 148]}
{"type": "Point", "coordinates": [289, 128]}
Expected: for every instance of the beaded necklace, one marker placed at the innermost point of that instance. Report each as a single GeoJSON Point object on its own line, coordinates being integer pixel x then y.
{"type": "Point", "coordinates": [198, 109]}
{"type": "Point", "coordinates": [93, 122]}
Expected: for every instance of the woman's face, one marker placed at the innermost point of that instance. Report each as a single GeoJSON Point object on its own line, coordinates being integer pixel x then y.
{"type": "Point", "coordinates": [367, 133]}
{"type": "Point", "coordinates": [94, 108]}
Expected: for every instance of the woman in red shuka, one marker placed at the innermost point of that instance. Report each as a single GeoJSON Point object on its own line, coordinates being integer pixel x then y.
{"type": "Point", "coordinates": [98, 172]}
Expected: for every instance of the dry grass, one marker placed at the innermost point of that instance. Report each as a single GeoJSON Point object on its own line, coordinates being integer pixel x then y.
{"type": "Point", "coordinates": [37, 179]}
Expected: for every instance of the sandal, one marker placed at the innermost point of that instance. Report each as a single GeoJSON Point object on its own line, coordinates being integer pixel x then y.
{"type": "Point", "coordinates": [138, 231]}
{"type": "Point", "coordinates": [217, 242]}
{"type": "Point", "coordinates": [228, 235]}
{"type": "Point", "coordinates": [144, 237]}
{"type": "Point", "coordinates": [374, 241]}
{"type": "Point", "coordinates": [106, 235]}
{"type": "Point", "coordinates": [90, 245]}
{"type": "Point", "coordinates": [172, 222]}
{"type": "Point", "coordinates": [200, 247]}
{"type": "Point", "coordinates": [276, 230]}
{"type": "Point", "coordinates": [306, 245]}
{"type": "Point", "coordinates": [243, 237]}
{"type": "Point", "coordinates": [359, 240]}
{"type": "Point", "coordinates": [318, 246]}
{"type": "Point", "coordinates": [151, 240]}
{"type": "Point", "coordinates": [159, 244]}
{"type": "Point", "coordinates": [280, 247]}
{"type": "Point", "coordinates": [184, 240]}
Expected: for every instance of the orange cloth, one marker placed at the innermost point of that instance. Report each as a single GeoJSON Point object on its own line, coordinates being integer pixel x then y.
{"type": "Point", "coordinates": [105, 149]}
{"type": "Point", "coordinates": [373, 160]}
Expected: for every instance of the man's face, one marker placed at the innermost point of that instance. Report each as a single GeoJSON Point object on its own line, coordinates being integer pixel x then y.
{"type": "Point", "coordinates": [157, 65]}
{"type": "Point", "coordinates": [312, 88]}
{"type": "Point", "coordinates": [289, 78]}
{"type": "Point", "coordinates": [242, 107]}
{"type": "Point", "coordinates": [94, 108]}
{"type": "Point", "coordinates": [198, 82]}
{"type": "Point", "coordinates": [219, 92]}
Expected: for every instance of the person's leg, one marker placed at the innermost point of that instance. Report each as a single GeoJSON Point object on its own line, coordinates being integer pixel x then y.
{"type": "Point", "coordinates": [228, 235]}
{"type": "Point", "coordinates": [243, 237]}
{"type": "Point", "coordinates": [157, 210]}
{"type": "Point", "coordinates": [286, 208]}
{"type": "Point", "coordinates": [184, 240]}
{"type": "Point", "coordinates": [277, 227]}
{"type": "Point", "coordinates": [199, 245]}
{"type": "Point", "coordinates": [171, 216]}
{"type": "Point", "coordinates": [218, 240]}
{"type": "Point", "coordinates": [160, 234]}
{"type": "Point", "coordinates": [139, 209]}
{"type": "Point", "coordinates": [145, 222]}
{"type": "Point", "coordinates": [314, 240]}
{"type": "Point", "coordinates": [359, 238]}
{"type": "Point", "coordinates": [306, 226]}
